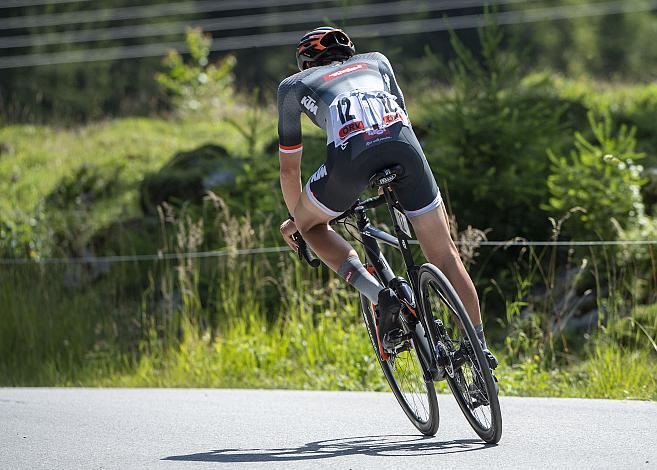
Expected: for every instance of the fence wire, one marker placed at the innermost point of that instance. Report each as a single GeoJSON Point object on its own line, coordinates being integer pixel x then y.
{"type": "Point", "coordinates": [281, 249]}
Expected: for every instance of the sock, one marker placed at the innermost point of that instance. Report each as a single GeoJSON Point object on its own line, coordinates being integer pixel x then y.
{"type": "Point", "coordinates": [355, 274]}
{"type": "Point", "coordinates": [479, 329]}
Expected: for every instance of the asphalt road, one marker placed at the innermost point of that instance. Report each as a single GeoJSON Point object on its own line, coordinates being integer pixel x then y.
{"type": "Point", "coordinates": [214, 429]}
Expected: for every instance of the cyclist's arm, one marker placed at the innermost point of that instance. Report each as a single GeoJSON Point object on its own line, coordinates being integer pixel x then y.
{"type": "Point", "coordinates": [290, 179]}
{"type": "Point", "coordinates": [290, 147]}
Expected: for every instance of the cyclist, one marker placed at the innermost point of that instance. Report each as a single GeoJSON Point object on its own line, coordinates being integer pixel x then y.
{"type": "Point", "coordinates": [357, 101]}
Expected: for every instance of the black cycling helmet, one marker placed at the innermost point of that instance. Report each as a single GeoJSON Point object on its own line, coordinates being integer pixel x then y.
{"type": "Point", "coordinates": [322, 46]}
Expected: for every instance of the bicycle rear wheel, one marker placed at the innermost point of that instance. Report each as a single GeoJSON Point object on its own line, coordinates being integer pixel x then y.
{"type": "Point", "coordinates": [468, 373]}
{"type": "Point", "coordinates": [406, 377]}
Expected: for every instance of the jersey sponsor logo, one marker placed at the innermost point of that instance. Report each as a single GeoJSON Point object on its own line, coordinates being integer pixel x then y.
{"type": "Point", "coordinates": [377, 132]}
{"type": "Point", "coordinates": [319, 174]}
{"type": "Point", "coordinates": [344, 71]}
{"type": "Point", "coordinates": [375, 136]}
{"type": "Point", "coordinates": [310, 104]}
{"type": "Point", "coordinates": [351, 128]}
{"type": "Point", "coordinates": [390, 118]}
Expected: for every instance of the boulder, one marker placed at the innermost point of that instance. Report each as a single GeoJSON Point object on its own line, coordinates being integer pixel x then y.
{"type": "Point", "coordinates": [189, 176]}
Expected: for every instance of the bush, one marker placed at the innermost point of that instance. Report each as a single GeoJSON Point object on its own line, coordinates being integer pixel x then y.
{"type": "Point", "coordinates": [199, 87]}
{"type": "Point", "coordinates": [486, 140]}
{"type": "Point", "coordinates": [601, 179]}
{"type": "Point", "coordinates": [69, 207]}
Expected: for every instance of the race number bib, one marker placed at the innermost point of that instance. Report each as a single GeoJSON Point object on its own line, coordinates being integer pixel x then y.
{"type": "Point", "coordinates": [355, 112]}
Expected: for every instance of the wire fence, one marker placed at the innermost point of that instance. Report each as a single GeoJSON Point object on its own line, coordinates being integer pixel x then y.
{"type": "Point", "coordinates": [369, 30]}
{"type": "Point", "coordinates": [282, 249]}
{"type": "Point", "coordinates": [228, 23]}
{"type": "Point", "coordinates": [36, 3]}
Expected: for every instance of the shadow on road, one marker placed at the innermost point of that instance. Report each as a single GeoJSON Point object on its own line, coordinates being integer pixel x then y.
{"type": "Point", "coordinates": [365, 445]}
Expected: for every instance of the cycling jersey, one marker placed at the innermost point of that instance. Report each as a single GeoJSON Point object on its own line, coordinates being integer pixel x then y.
{"type": "Point", "coordinates": [344, 99]}
{"type": "Point", "coordinates": [360, 106]}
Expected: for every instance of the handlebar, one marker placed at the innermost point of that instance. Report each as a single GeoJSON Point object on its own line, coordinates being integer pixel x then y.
{"type": "Point", "coordinates": [304, 252]}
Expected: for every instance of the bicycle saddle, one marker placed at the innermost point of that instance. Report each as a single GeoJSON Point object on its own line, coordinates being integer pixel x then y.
{"type": "Point", "coordinates": [386, 176]}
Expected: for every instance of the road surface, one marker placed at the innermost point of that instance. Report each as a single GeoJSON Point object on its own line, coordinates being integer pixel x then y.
{"type": "Point", "coordinates": [214, 429]}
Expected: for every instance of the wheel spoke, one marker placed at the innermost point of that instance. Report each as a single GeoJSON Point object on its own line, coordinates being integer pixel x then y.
{"type": "Point", "coordinates": [458, 351]}
{"type": "Point", "coordinates": [407, 371]}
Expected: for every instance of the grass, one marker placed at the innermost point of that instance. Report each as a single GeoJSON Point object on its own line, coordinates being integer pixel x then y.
{"type": "Point", "coordinates": [37, 157]}
{"type": "Point", "coordinates": [265, 321]}
{"type": "Point", "coordinates": [36, 160]}
{"type": "Point", "coordinates": [262, 322]}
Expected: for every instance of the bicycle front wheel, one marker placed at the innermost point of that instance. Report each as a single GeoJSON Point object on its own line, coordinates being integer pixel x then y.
{"type": "Point", "coordinates": [406, 376]}
{"type": "Point", "coordinates": [468, 373]}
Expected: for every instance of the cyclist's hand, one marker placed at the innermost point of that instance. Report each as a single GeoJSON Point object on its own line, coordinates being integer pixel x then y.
{"type": "Point", "coordinates": [288, 229]}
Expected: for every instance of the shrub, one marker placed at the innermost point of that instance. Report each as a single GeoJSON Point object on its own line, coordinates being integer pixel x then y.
{"type": "Point", "coordinates": [486, 140]}
{"type": "Point", "coordinates": [75, 198]}
{"type": "Point", "coordinates": [599, 177]}
{"type": "Point", "coordinates": [189, 176]}
{"type": "Point", "coordinates": [197, 87]}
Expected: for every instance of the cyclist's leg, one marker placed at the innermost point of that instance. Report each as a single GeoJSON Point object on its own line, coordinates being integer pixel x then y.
{"type": "Point", "coordinates": [421, 199]}
{"type": "Point", "coordinates": [328, 245]}
{"type": "Point", "coordinates": [432, 231]}
{"type": "Point", "coordinates": [327, 194]}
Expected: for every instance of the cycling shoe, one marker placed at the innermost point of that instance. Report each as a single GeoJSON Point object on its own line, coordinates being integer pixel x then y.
{"type": "Point", "coordinates": [490, 357]}
{"type": "Point", "coordinates": [389, 325]}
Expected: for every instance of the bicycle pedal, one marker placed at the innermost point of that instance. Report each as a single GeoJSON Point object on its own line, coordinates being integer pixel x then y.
{"type": "Point", "coordinates": [401, 347]}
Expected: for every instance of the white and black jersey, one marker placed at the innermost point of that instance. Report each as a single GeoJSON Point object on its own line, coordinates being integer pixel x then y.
{"type": "Point", "coordinates": [361, 107]}
{"type": "Point", "coordinates": [345, 99]}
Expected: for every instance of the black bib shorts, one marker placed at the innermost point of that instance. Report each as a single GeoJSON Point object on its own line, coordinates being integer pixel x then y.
{"type": "Point", "coordinates": [337, 184]}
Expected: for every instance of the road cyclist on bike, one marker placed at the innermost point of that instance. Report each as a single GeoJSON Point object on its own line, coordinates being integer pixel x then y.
{"type": "Point", "coordinates": [355, 98]}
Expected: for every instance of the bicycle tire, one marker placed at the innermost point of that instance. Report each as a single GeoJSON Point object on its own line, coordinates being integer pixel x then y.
{"type": "Point", "coordinates": [432, 279]}
{"type": "Point", "coordinates": [407, 400]}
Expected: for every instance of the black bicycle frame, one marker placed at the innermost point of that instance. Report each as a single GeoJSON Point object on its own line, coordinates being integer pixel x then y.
{"type": "Point", "coordinates": [370, 238]}
{"type": "Point", "coordinates": [371, 234]}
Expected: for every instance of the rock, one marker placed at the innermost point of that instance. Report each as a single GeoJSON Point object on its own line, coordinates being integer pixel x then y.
{"type": "Point", "coordinates": [189, 176]}
{"type": "Point", "coordinates": [5, 148]}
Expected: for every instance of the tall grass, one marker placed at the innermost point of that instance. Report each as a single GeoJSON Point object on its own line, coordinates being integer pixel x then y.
{"type": "Point", "coordinates": [268, 321]}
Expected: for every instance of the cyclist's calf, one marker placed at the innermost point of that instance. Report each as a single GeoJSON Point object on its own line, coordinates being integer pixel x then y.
{"type": "Point", "coordinates": [432, 230]}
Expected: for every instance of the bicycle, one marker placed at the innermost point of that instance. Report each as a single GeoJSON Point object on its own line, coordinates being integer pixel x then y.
{"type": "Point", "coordinates": [438, 341]}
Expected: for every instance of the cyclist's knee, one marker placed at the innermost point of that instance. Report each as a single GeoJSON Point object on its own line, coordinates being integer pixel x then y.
{"type": "Point", "coordinates": [306, 218]}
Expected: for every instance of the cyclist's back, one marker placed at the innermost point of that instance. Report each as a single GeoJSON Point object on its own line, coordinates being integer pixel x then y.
{"type": "Point", "coordinates": [360, 106]}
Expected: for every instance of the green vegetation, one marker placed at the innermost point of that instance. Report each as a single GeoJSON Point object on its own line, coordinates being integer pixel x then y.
{"type": "Point", "coordinates": [600, 180]}
{"type": "Point", "coordinates": [516, 152]}
{"type": "Point", "coordinates": [266, 321]}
